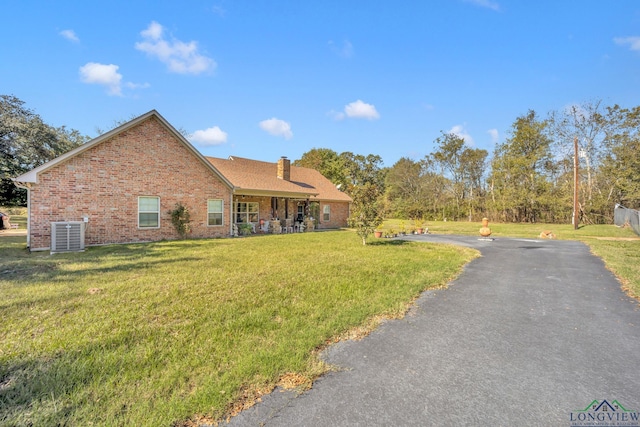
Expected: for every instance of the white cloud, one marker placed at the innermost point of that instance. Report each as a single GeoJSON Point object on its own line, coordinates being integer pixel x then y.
{"type": "Point", "coordinates": [209, 136]}
{"type": "Point", "coordinates": [486, 3]}
{"type": "Point", "coordinates": [633, 42]}
{"type": "Point", "coordinates": [361, 110]}
{"type": "Point", "coordinates": [277, 127]}
{"type": "Point", "coordinates": [102, 74]}
{"type": "Point", "coordinates": [345, 50]}
{"type": "Point", "coordinates": [108, 76]}
{"type": "Point", "coordinates": [153, 31]}
{"type": "Point", "coordinates": [461, 132]}
{"type": "Point", "coordinates": [180, 57]}
{"type": "Point", "coordinates": [70, 35]}
{"type": "Point", "coordinates": [494, 135]}
{"type": "Point", "coordinates": [357, 110]}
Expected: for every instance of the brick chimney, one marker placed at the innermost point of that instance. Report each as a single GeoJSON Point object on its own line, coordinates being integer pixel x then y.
{"type": "Point", "coordinates": [284, 168]}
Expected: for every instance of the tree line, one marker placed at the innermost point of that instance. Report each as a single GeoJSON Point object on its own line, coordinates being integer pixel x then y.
{"type": "Point", "coordinates": [529, 177]}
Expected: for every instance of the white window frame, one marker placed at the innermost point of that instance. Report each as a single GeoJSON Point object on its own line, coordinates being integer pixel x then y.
{"type": "Point", "coordinates": [157, 212]}
{"type": "Point", "coordinates": [209, 212]}
{"type": "Point", "coordinates": [326, 213]}
{"type": "Point", "coordinates": [247, 213]}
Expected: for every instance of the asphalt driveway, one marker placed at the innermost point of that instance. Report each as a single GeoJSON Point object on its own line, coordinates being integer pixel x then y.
{"type": "Point", "coordinates": [531, 333]}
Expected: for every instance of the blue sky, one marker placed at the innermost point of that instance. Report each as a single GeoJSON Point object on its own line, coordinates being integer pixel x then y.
{"type": "Point", "coordinates": [263, 79]}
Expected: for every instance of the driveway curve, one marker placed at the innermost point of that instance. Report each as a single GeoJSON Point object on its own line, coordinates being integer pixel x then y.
{"type": "Point", "coordinates": [531, 333]}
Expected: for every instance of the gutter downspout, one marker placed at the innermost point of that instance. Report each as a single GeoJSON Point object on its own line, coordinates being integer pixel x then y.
{"type": "Point", "coordinates": [29, 218]}
{"type": "Point", "coordinates": [233, 190]}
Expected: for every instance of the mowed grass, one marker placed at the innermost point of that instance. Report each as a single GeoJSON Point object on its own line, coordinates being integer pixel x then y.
{"type": "Point", "coordinates": [618, 247]}
{"type": "Point", "coordinates": [20, 221]}
{"type": "Point", "coordinates": [162, 333]}
{"type": "Point", "coordinates": [18, 216]}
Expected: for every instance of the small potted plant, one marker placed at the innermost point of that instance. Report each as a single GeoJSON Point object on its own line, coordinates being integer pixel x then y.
{"type": "Point", "coordinates": [309, 224]}
{"type": "Point", "coordinates": [244, 229]}
{"type": "Point", "coordinates": [403, 228]}
{"type": "Point", "coordinates": [377, 234]}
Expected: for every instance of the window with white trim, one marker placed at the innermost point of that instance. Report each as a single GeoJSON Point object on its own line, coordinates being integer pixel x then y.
{"type": "Point", "coordinates": [148, 212]}
{"type": "Point", "coordinates": [326, 213]}
{"type": "Point", "coordinates": [246, 211]}
{"type": "Point", "coordinates": [215, 208]}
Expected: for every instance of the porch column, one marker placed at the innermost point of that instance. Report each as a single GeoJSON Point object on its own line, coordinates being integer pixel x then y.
{"type": "Point", "coordinates": [231, 218]}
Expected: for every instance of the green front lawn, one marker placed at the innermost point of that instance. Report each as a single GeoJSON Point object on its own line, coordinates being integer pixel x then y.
{"type": "Point", "coordinates": [156, 334]}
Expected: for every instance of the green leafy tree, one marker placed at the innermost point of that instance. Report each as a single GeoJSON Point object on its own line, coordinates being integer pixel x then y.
{"type": "Point", "coordinates": [588, 123]}
{"type": "Point", "coordinates": [327, 162]}
{"type": "Point", "coordinates": [464, 168]}
{"type": "Point", "coordinates": [361, 177]}
{"type": "Point", "coordinates": [416, 190]}
{"type": "Point", "coordinates": [520, 170]}
{"type": "Point", "coordinates": [346, 169]}
{"type": "Point", "coordinates": [473, 164]}
{"type": "Point", "coordinates": [365, 211]}
{"type": "Point", "coordinates": [365, 184]}
{"type": "Point", "coordinates": [25, 143]}
{"type": "Point", "coordinates": [438, 199]}
{"type": "Point", "coordinates": [404, 188]}
{"type": "Point", "coordinates": [621, 164]}
{"type": "Point", "coordinates": [360, 170]}
{"type": "Point", "coordinates": [447, 157]}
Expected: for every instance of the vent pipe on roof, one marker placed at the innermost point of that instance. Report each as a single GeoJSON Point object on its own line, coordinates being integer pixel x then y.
{"type": "Point", "coordinates": [284, 168]}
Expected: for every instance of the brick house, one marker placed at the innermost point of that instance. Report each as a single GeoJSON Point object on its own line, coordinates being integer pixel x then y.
{"type": "Point", "coordinates": [122, 185]}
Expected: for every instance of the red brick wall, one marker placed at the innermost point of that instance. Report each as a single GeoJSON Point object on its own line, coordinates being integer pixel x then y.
{"type": "Point", "coordinates": [104, 183]}
{"type": "Point", "coordinates": [338, 217]}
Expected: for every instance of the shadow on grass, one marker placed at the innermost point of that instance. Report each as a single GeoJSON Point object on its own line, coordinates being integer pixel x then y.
{"type": "Point", "coordinates": [53, 272]}
{"type": "Point", "coordinates": [19, 266]}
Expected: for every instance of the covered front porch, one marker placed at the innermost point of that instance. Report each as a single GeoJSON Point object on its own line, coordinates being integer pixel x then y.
{"type": "Point", "coordinates": [275, 214]}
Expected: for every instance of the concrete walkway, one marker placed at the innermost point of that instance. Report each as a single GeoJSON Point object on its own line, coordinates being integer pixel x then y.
{"type": "Point", "coordinates": [530, 334]}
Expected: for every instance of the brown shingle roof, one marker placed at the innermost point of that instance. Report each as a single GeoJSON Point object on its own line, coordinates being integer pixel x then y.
{"type": "Point", "coordinates": [257, 177]}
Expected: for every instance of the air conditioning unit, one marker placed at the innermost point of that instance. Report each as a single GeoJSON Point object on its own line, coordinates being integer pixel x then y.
{"type": "Point", "coordinates": [67, 236]}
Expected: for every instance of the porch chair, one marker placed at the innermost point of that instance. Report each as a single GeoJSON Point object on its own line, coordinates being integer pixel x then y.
{"type": "Point", "coordinates": [288, 225]}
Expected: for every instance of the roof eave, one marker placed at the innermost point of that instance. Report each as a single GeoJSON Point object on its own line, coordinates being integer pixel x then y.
{"type": "Point", "coordinates": [329, 199]}
{"type": "Point", "coordinates": [271, 193]}
{"type": "Point", "coordinates": [22, 184]}
{"type": "Point", "coordinates": [32, 175]}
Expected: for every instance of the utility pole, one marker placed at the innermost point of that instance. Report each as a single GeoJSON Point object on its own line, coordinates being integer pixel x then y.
{"type": "Point", "coordinates": [576, 162]}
